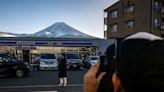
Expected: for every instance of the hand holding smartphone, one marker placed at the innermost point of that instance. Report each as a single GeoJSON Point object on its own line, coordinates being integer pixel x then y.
{"type": "Point", "coordinates": [104, 65]}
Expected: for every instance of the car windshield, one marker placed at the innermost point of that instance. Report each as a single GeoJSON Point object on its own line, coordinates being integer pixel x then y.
{"type": "Point", "coordinates": [7, 58]}
{"type": "Point", "coordinates": [94, 58]}
{"type": "Point", "coordinates": [72, 56]}
{"type": "Point", "coordinates": [48, 56]}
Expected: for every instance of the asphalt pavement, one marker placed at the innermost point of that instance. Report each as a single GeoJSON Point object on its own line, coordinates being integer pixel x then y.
{"type": "Point", "coordinates": [43, 81]}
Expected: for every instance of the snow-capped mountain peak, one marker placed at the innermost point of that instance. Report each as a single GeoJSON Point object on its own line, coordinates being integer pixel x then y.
{"type": "Point", "coordinates": [47, 33]}
{"type": "Point", "coordinates": [61, 30]}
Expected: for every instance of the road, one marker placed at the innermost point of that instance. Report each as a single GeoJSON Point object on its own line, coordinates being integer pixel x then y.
{"type": "Point", "coordinates": [43, 81]}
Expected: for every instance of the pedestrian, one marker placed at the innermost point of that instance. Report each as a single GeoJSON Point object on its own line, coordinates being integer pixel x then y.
{"type": "Point", "coordinates": [139, 66]}
{"type": "Point", "coordinates": [62, 70]}
{"type": "Point", "coordinates": [36, 62]}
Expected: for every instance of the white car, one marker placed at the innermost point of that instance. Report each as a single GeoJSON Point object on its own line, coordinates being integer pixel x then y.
{"type": "Point", "coordinates": [48, 61]}
{"type": "Point", "coordinates": [93, 60]}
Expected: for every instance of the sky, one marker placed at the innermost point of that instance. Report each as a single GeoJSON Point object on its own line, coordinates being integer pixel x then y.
{"type": "Point", "coordinates": [30, 16]}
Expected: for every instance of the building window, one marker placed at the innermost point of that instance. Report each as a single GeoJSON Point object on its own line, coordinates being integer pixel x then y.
{"type": "Point", "coordinates": [130, 8]}
{"type": "Point", "coordinates": [156, 6]}
{"type": "Point", "coordinates": [114, 14]}
{"type": "Point", "coordinates": [156, 22]}
{"type": "Point", "coordinates": [129, 24]}
{"type": "Point", "coordinates": [114, 28]}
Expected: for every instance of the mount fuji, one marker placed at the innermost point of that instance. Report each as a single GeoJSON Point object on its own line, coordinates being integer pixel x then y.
{"type": "Point", "coordinates": [6, 34]}
{"type": "Point", "coordinates": [60, 30]}
{"type": "Point", "coordinates": [57, 30]}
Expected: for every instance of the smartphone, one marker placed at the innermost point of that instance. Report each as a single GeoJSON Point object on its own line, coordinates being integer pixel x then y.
{"type": "Point", "coordinates": [104, 64]}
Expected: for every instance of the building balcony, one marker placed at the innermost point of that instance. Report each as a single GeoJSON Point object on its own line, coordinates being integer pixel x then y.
{"type": "Point", "coordinates": [105, 34]}
{"type": "Point", "coordinates": [105, 21]}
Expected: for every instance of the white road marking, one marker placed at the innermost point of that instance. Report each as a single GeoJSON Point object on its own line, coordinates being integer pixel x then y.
{"type": "Point", "coordinates": [36, 86]}
{"type": "Point", "coordinates": [44, 91]}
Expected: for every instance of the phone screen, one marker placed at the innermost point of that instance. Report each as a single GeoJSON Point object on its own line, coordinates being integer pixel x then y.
{"type": "Point", "coordinates": [104, 64]}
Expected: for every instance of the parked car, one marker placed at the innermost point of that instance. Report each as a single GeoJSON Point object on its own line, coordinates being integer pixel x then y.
{"type": "Point", "coordinates": [93, 59]}
{"type": "Point", "coordinates": [11, 67]}
{"type": "Point", "coordinates": [48, 61]}
{"type": "Point", "coordinates": [86, 64]}
{"type": "Point", "coordinates": [73, 61]}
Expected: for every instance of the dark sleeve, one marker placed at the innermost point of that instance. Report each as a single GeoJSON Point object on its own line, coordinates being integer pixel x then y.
{"type": "Point", "coordinates": [106, 84]}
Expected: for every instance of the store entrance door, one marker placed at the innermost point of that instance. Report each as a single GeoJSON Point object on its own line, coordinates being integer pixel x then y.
{"type": "Point", "coordinates": [26, 55]}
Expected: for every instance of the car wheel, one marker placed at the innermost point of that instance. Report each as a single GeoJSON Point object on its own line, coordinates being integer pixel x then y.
{"type": "Point", "coordinates": [19, 73]}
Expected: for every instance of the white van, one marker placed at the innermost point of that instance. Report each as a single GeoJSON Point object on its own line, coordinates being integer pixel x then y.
{"type": "Point", "coordinates": [48, 61]}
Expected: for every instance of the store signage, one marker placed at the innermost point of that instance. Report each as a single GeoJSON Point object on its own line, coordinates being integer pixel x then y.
{"type": "Point", "coordinates": [46, 43]}
{"type": "Point", "coordinates": [78, 43]}
{"type": "Point", "coordinates": [25, 43]}
{"type": "Point", "coordinates": [37, 43]}
{"type": "Point", "coordinates": [8, 42]}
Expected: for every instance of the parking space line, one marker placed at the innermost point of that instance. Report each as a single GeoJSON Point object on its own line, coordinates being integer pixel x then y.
{"type": "Point", "coordinates": [36, 86]}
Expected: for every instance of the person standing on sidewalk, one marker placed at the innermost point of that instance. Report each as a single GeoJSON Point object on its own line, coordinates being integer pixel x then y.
{"type": "Point", "coordinates": [62, 70]}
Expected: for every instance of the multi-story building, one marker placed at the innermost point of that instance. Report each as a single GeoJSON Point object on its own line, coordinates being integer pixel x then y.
{"type": "Point", "coordinates": [130, 16]}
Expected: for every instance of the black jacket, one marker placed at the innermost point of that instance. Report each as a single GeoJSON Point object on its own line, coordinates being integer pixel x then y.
{"type": "Point", "coordinates": [62, 68]}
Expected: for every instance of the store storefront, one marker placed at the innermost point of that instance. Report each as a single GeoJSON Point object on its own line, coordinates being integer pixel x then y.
{"type": "Point", "coordinates": [26, 49]}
